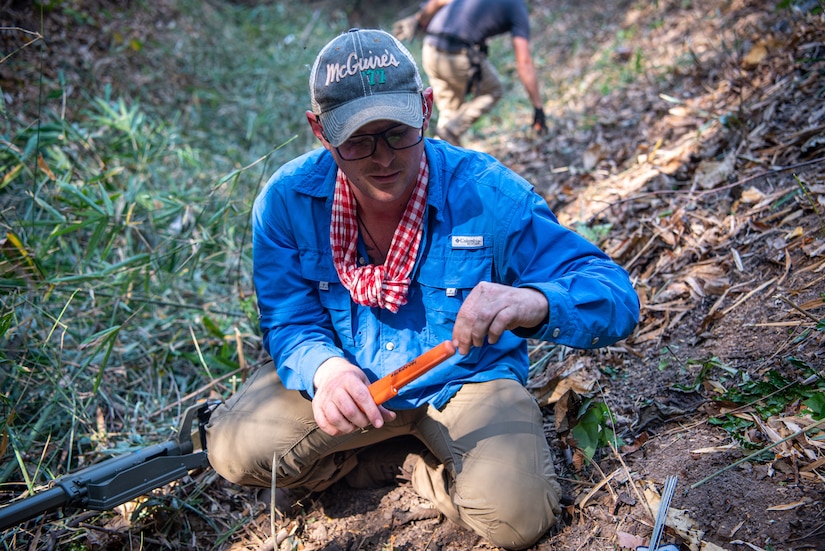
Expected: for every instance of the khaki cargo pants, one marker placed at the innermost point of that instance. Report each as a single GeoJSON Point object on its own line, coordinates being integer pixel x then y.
{"type": "Point", "coordinates": [448, 75]}
{"type": "Point", "coordinates": [493, 471]}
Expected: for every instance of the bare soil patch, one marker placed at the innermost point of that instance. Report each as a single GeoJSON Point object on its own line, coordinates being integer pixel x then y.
{"type": "Point", "coordinates": [704, 157]}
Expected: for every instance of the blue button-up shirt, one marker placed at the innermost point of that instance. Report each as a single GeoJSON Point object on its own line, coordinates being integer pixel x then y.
{"type": "Point", "coordinates": [483, 223]}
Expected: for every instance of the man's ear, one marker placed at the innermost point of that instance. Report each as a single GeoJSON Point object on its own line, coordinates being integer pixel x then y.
{"type": "Point", "coordinates": [427, 99]}
{"type": "Point", "coordinates": [315, 125]}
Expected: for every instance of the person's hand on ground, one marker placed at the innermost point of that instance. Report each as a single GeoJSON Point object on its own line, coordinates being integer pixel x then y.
{"type": "Point", "coordinates": [405, 29]}
{"type": "Point", "coordinates": [539, 121]}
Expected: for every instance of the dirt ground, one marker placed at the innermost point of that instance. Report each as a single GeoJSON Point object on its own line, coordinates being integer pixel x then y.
{"type": "Point", "coordinates": [708, 167]}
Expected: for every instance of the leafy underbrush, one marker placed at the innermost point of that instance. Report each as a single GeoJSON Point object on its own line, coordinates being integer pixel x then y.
{"type": "Point", "coordinates": [125, 282]}
{"type": "Point", "coordinates": [125, 267]}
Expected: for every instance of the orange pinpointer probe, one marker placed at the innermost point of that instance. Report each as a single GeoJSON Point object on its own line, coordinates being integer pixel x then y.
{"type": "Point", "coordinates": [387, 386]}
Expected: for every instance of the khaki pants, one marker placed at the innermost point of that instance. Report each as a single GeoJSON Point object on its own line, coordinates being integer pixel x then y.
{"type": "Point", "coordinates": [493, 471]}
{"type": "Point", "coordinates": [448, 75]}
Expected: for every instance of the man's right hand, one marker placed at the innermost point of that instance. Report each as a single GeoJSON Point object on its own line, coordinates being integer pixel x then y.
{"type": "Point", "coordinates": [342, 402]}
{"type": "Point", "coordinates": [405, 29]}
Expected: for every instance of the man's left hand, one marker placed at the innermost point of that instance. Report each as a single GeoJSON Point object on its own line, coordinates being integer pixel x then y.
{"type": "Point", "coordinates": [539, 121]}
{"type": "Point", "coordinates": [491, 309]}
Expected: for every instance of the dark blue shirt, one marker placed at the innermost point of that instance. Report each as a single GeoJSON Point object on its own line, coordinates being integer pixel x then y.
{"type": "Point", "coordinates": [474, 21]}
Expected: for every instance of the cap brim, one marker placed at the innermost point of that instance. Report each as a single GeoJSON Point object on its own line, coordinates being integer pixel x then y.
{"type": "Point", "coordinates": [343, 121]}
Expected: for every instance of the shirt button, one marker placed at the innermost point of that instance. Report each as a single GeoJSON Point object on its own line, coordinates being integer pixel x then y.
{"type": "Point", "coordinates": [556, 332]}
{"type": "Point", "coordinates": [595, 340]}
{"type": "Point", "coordinates": [390, 346]}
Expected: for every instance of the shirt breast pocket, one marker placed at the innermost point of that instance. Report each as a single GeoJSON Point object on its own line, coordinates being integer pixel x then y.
{"type": "Point", "coordinates": [333, 296]}
{"type": "Point", "coordinates": [445, 285]}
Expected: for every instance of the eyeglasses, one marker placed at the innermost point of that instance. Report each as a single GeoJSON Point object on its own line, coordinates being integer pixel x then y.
{"type": "Point", "coordinates": [397, 137]}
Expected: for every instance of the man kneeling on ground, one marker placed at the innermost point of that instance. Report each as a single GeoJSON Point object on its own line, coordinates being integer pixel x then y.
{"type": "Point", "coordinates": [375, 248]}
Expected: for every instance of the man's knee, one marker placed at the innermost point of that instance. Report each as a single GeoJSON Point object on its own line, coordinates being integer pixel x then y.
{"type": "Point", "coordinates": [522, 532]}
{"type": "Point", "coordinates": [510, 513]}
{"type": "Point", "coordinates": [230, 456]}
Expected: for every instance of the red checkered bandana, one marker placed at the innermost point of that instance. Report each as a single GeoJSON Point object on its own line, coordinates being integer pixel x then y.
{"type": "Point", "coordinates": [384, 286]}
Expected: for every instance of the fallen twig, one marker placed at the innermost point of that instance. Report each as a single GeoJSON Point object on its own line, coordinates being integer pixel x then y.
{"type": "Point", "coordinates": [756, 453]}
{"type": "Point", "coordinates": [793, 305]}
{"type": "Point", "coordinates": [748, 295]}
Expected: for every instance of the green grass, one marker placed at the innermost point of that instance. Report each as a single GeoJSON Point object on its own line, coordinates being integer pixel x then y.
{"type": "Point", "coordinates": [125, 265]}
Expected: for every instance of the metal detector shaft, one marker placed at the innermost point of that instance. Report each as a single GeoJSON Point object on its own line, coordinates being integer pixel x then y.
{"type": "Point", "coordinates": [122, 478]}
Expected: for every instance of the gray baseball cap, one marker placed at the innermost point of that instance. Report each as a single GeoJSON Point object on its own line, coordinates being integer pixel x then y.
{"type": "Point", "coordinates": [362, 76]}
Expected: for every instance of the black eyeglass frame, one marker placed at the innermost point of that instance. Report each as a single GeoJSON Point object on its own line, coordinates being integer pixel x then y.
{"type": "Point", "coordinates": [375, 136]}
